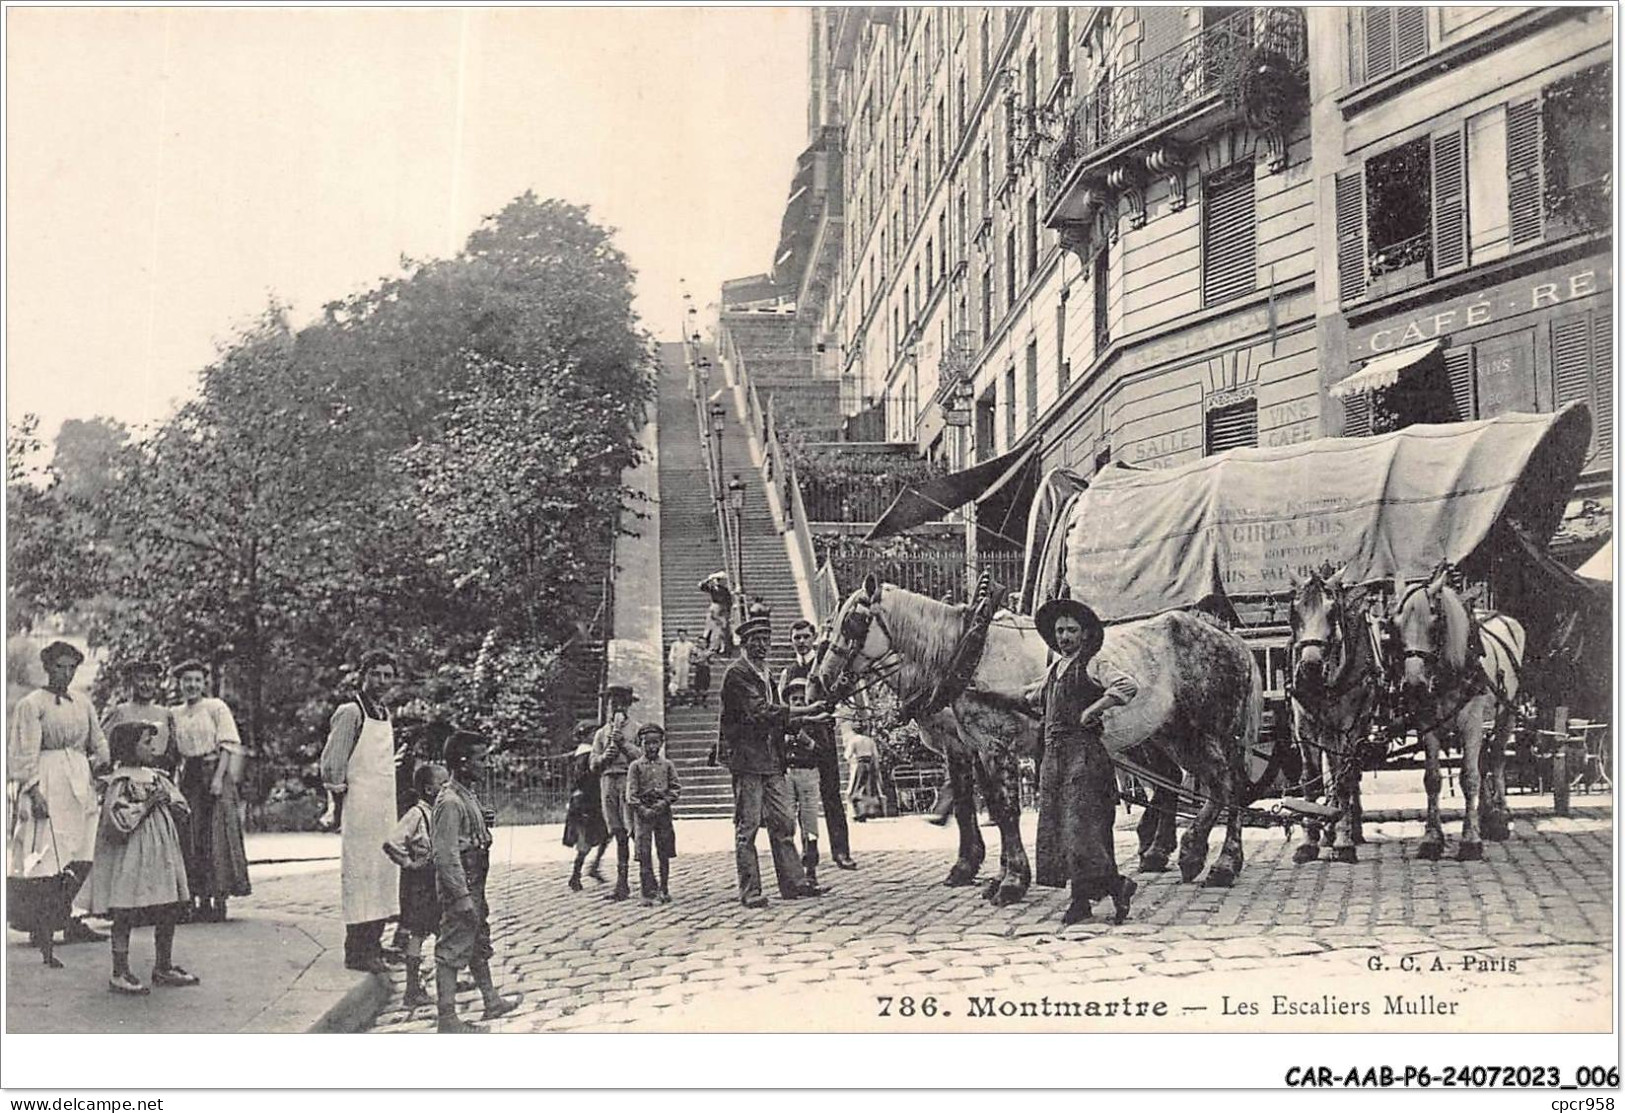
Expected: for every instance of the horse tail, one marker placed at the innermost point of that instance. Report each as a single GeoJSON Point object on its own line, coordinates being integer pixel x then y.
{"type": "Point", "coordinates": [1252, 715]}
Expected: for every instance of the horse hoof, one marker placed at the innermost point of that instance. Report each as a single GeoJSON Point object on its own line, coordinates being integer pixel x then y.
{"type": "Point", "coordinates": [1189, 870]}
{"type": "Point", "coordinates": [1154, 863]}
{"type": "Point", "coordinates": [1219, 877]}
{"type": "Point", "coordinates": [1308, 852]}
{"type": "Point", "coordinates": [958, 878]}
{"type": "Point", "coordinates": [1430, 851]}
{"type": "Point", "coordinates": [1347, 854]}
{"type": "Point", "coordinates": [992, 891]}
{"type": "Point", "coordinates": [1495, 828]}
{"type": "Point", "coordinates": [1011, 892]}
{"type": "Point", "coordinates": [1470, 852]}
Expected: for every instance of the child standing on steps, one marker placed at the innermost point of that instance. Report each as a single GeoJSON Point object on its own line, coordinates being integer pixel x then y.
{"type": "Point", "coordinates": [411, 848]}
{"type": "Point", "coordinates": [138, 875]}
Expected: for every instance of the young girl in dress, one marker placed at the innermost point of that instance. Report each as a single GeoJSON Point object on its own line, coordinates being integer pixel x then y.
{"type": "Point", "coordinates": [410, 848]}
{"type": "Point", "coordinates": [138, 876]}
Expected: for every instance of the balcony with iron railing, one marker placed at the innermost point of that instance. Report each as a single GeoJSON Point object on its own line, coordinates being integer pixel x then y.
{"type": "Point", "coordinates": [1250, 66]}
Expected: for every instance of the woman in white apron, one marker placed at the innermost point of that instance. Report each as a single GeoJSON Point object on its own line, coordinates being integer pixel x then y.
{"type": "Point", "coordinates": [359, 761]}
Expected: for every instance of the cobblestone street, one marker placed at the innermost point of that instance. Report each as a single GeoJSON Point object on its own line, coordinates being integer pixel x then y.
{"type": "Point", "coordinates": [1520, 941]}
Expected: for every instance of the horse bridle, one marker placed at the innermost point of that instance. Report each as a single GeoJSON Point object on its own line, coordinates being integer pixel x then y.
{"type": "Point", "coordinates": [854, 630]}
{"type": "Point", "coordinates": [1427, 656]}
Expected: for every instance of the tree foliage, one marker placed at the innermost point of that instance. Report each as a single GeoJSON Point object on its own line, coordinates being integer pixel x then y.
{"type": "Point", "coordinates": [433, 465]}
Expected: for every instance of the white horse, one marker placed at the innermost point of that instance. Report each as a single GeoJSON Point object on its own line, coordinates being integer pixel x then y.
{"type": "Point", "coordinates": [1450, 686]}
{"type": "Point", "coordinates": [1198, 710]}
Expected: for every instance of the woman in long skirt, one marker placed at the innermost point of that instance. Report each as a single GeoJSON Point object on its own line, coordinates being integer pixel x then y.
{"type": "Point", "coordinates": [207, 740]}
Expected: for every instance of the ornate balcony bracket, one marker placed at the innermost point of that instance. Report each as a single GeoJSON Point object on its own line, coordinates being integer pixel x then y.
{"type": "Point", "coordinates": [1127, 180]}
{"type": "Point", "coordinates": [1170, 161]}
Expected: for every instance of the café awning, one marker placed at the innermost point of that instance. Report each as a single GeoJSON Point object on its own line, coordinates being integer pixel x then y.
{"type": "Point", "coordinates": [1384, 371]}
{"type": "Point", "coordinates": [931, 500]}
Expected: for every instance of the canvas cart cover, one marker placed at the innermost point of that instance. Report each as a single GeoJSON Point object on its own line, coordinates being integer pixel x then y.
{"type": "Point", "coordinates": [1244, 522]}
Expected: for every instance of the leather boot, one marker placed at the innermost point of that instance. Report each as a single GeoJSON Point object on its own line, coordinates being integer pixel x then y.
{"type": "Point", "coordinates": [416, 992]}
{"type": "Point", "coordinates": [809, 862]}
{"type": "Point", "coordinates": [575, 874]}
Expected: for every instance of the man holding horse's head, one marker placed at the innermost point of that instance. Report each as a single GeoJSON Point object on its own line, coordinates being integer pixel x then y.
{"type": "Point", "coordinates": [751, 744]}
{"type": "Point", "coordinates": [1078, 787]}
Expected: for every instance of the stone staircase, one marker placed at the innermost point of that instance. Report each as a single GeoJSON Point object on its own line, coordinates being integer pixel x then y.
{"type": "Point", "coordinates": [690, 551]}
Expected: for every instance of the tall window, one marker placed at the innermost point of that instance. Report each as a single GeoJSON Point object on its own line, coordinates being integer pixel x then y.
{"type": "Point", "coordinates": [1032, 236]}
{"type": "Point", "coordinates": [942, 239]}
{"type": "Point", "coordinates": [1010, 269]}
{"type": "Point", "coordinates": [987, 304]}
{"type": "Point", "coordinates": [986, 39]}
{"type": "Point", "coordinates": [1098, 279]}
{"type": "Point", "coordinates": [1229, 234]}
{"type": "Point", "coordinates": [1063, 366]}
{"type": "Point", "coordinates": [1032, 384]}
{"type": "Point", "coordinates": [1009, 407]}
{"type": "Point", "coordinates": [1063, 40]}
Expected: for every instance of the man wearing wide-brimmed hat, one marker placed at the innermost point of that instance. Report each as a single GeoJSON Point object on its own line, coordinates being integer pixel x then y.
{"type": "Point", "coordinates": [614, 749]}
{"type": "Point", "coordinates": [750, 743]}
{"type": "Point", "coordinates": [54, 740]}
{"type": "Point", "coordinates": [1077, 785]}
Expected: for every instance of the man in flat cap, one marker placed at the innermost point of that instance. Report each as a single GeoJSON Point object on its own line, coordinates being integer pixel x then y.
{"type": "Point", "coordinates": [750, 742]}
{"type": "Point", "coordinates": [614, 749]}
{"type": "Point", "coordinates": [54, 740]}
{"type": "Point", "coordinates": [1077, 785]}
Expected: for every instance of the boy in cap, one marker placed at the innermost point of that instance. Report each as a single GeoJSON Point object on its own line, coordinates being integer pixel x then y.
{"type": "Point", "coordinates": [652, 789]}
{"type": "Point", "coordinates": [460, 847]}
{"type": "Point", "coordinates": [1078, 786]}
{"type": "Point", "coordinates": [613, 751]}
{"type": "Point", "coordinates": [802, 758]}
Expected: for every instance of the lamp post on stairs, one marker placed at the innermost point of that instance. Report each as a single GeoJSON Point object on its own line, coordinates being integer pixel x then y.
{"type": "Point", "coordinates": [736, 500]}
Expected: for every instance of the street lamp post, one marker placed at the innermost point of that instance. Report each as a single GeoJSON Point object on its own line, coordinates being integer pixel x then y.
{"type": "Point", "coordinates": [736, 500]}
{"type": "Point", "coordinates": [719, 416]}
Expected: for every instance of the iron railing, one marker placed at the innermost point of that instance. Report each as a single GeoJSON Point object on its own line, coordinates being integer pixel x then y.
{"type": "Point", "coordinates": [1152, 92]}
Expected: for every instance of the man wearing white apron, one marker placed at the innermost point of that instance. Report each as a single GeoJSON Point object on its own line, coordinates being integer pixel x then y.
{"type": "Point", "coordinates": [359, 761]}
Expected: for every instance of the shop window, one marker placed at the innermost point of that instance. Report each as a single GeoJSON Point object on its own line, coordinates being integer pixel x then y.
{"type": "Point", "coordinates": [1583, 371]}
{"type": "Point", "coordinates": [1392, 39]}
{"type": "Point", "coordinates": [1229, 234]}
{"type": "Point", "coordinates": [1234, 426]}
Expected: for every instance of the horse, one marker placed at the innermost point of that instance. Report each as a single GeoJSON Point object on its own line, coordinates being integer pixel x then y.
{"type": "Point", "coordinates": [1454, 671]}
{"type": "Point", "coordinates": [1199, 709]}
{"type": "Point", "coordinates": [1336, 679]}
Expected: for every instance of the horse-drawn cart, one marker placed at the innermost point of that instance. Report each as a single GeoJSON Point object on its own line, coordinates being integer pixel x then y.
{"type": "Point", "coordinates": [1238, 533]}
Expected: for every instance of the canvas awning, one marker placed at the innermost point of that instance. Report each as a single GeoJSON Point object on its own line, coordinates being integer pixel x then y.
{"type": "Point", "coordinates": [931, 500]}
{"type": "Point", "coordinates": [1384, 371]}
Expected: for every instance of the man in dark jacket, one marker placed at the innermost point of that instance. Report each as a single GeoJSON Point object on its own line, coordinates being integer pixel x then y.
{"type": "Point", "coordinates": [802, 635]}
{"type": "Point", "coordinates": [750, 743]}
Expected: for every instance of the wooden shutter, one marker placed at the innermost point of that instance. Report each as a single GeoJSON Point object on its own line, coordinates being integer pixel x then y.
{"type": "Point", "coordinates": [1524, 187]}
{"type": "Point", "coordinates": [1458, 365]}
{"type": "Point", "coordinates": [1357, 415]}
{"type": "Point", "coordinates": [1379, 42]}
{"type": "Point", "coordinates": [1602, 380]}
{"type": "Point", "coordinates": [1449, 201]}
{"type": "Point", "coordinates": [1232, 426]}
{"type": "Point", "coordinates": [1229, 235]}
{"type": "Point", "coordinates": [1351, 256]}
{"type": "Point", "coordinates": [1410, 35]}
{"type": "Point", "coordinates": [1571, 367]}
{"type": "Point", "coordinates": [1063, 366]}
